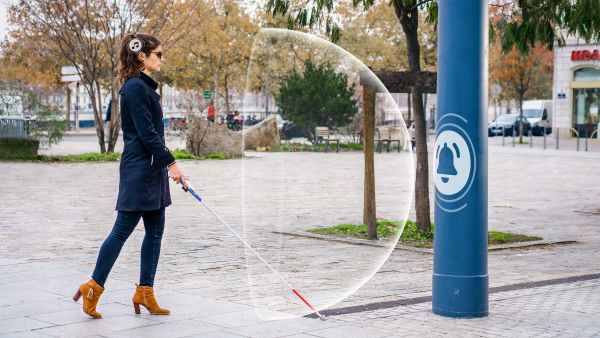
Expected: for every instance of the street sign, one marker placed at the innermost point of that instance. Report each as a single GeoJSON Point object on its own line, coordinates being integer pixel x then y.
{"type": "Point", "coordinates": [209, 95]}
{"type": "Point", "coordinates": [71, 78]}
{"type": "Point", "coordinates": [562, 96]}
{"type": "Point", "coordinates": [69, 70]}
{"type": "Point", "coordinates": [496, 90]}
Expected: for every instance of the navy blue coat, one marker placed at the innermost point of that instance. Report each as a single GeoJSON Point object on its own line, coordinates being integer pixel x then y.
{"type": "Point", "coordinates": [143, 183]}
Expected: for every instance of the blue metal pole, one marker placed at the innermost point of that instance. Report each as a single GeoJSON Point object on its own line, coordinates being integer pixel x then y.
{"type": "Point", "coordinates": [460, 261]}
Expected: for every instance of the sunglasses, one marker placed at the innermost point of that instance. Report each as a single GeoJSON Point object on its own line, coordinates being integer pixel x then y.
{"type": "Point", "coordinates": [159, 54]}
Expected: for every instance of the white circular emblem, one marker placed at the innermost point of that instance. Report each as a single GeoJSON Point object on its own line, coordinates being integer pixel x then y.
{"type": "Point", "coordinates": [135, 45]}
{"type": "Point", "coordinates": [452, 163]}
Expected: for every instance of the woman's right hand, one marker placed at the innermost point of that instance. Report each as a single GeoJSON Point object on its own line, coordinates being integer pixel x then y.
{"type": "Point", "coordinates": [177, 175]}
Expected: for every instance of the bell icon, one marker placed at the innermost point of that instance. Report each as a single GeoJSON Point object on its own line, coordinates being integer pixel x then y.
{"type": "Point", "coordinates": [446, 162]}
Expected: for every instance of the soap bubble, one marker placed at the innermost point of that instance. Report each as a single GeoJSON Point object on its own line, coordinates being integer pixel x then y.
{"type": "Point", "coordinates": [287, 191]}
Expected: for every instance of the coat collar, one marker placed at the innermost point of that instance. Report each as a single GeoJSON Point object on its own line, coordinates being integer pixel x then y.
{"type": "Point", "coordinates": [150, 81]}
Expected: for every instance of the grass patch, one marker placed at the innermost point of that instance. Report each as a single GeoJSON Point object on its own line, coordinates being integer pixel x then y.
{"type": "Point", "coordinates": [497, 237]}
{"type": "Point", "coordinates": [179, 154]}
{"type": "Point", "coordinates": [411, 234]}
{"type": "Point", "coordinates": [517, 143]}
{"type": "Point", "coordinates": [89, 157]}
{"type": "Point", "coordinates": [217, 156]}
{"type": "Point", "coordinates": [301, 147]}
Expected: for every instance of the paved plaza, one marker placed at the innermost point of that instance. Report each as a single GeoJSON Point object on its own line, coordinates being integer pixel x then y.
{"type": "Point", "coordinates": [54, 217]}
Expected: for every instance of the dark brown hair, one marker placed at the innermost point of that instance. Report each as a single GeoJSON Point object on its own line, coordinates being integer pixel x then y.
{"type": "Point", "coordinates": [130, 64]}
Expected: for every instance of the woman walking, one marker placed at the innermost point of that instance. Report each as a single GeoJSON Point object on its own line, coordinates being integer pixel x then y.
{"type": "Point", "coordinates": [144, 171]}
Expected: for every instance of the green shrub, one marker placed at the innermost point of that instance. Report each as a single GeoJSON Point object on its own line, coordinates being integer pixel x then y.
{"type": "Point", "coordinates": [18, 148]}
{"type": "Point", "coordinates": [181, 154]}
{"type": "Point", "coordinates": [218, 155]}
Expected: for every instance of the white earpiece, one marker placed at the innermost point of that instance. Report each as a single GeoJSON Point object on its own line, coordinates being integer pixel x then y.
{"type": "Point", "coordinates": [143, 55]}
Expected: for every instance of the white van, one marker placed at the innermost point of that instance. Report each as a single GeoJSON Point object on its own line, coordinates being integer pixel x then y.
{"type": "Point", "coordinates": [539, 114]}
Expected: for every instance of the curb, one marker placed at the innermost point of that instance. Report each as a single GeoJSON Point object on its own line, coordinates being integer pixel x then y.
{"type": "Point", "coordinates": [356, 241]}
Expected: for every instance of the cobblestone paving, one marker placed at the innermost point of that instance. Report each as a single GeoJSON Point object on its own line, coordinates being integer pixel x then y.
{"type": "Point", "coordinates": [57, 215]}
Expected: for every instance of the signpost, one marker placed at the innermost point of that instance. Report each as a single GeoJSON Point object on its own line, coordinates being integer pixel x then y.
{"type": "Point", "coordinates": [460, 264]}
{"type": "Point", "coordinates": [209, 95]}
{"type": "Point", "coordinates": [71, 74]}
{"type": "Point", "coordinates": [496, 90]}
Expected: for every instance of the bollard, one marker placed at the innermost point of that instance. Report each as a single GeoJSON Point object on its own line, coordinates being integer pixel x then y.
{"type": "Point", "coordinates": [503, 132]}
{"type": "Point", "coordinates": [577, 138]}
{"type": "Point", "coordinates": [556, 138]}
{"type": "Point", "coordinates": [586, 138]}
{"type": "Point", "coordinates": [460, 283]}
{"type": "Point", "coordinates": [513, 135]}
{"type": "Point", "coordinates": [530, 138]}
{"type": "Point", "coordinates": [544, 137]}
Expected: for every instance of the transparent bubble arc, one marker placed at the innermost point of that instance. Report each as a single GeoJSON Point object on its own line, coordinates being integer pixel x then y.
{"type": "Point", "coordinates": [289, 192]}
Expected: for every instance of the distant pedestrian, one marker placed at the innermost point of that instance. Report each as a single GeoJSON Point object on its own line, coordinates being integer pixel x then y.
{"type": "Point", "coordinates": [211, 113]}
{"type": "Point", "coordinates": [145, 167]}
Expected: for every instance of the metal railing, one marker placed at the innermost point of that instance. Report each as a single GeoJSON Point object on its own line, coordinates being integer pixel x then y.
{"type": "Point", "coordinates": [13, 126]}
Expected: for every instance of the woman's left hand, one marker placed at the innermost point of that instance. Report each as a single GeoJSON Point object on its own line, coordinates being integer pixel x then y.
{"type": "Point", "coordinates": [177, 174]}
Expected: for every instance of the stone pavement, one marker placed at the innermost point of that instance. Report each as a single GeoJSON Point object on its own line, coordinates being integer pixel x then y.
{"type": "Point", "coordinates": [54, 217]}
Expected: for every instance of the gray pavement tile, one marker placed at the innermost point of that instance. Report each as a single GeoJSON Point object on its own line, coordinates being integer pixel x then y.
{"type": "Point", "coordinates": [217, 334]}
{"type": "Point", "coordinates": [35, 308]}
{"type": "Point", "coordinates": [281, 328]}
{"type": "Point", "coordinates": [347, 332]}
{"type": "Point", "coordinates": [204, 308]}
{"type": "Point", "coordinates": [26, 334]}
{"type": "Point", "coordinates": [10, 297]}
{"type": "Point", "coordinates": [35, 275]}
{"type": "Point", "coordinates": [77, 315]}
{"type": "Point", "coordinates": [97, 326]}
{"type": "Point", "coordinates": [242, 318]}
{"type": "Point", "coordinates": [178, 329]}
{"type": "Point", "coordinates": [10, 261]}
{"type": "Point", "coordinates": [21, 324]}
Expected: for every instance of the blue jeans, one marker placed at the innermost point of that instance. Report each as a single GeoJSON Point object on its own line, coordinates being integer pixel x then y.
{"type": "Point", "coordinates": [154, 224]}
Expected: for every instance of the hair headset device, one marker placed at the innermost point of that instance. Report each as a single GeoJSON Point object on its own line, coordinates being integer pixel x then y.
{"type": "Point", "coordinates": [135, 45]}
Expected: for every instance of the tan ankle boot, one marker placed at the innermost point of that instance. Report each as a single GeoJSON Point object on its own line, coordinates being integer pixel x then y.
{"type": "Point", "coordinates": [92, 292]}
{"type": "Point", "coordinates": [144, 295]}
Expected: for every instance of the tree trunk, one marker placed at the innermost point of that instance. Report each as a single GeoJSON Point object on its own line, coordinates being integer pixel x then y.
{"type": "Point", "coordinates": [160, 92]}
{"type": "Point", "coordinates": [521, 120]}
{"type": "Point", "coordinates": [115, 115]}
{"type": "Point", "coordinates": [422, 180]}
{"type": "Point", "coordinates": [226, 96]}
{"type": "Point", "coordinates": [216, 96]}
{"type": "Point", "coordinates": [97, 115]}
{"type": "Point", "coordinates": [68, 110]}
{"type": "Point", "coordinates": [369, 214]}
{"type": "Point", "coordinates": [409, 20]}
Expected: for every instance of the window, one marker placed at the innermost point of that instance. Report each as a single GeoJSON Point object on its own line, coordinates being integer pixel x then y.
{"type": "Point", "coordinates": [587, 74]}
{"type": "Point", "coordinates": [533, 113]}
{"type": "Point", "coordinates": [506, 118]}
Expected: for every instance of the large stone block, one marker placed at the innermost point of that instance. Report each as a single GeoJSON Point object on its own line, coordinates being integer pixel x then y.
{"type": "Point", "coordinates": [205, 137]}
{"type": "Point", "coordinates": [263, 134]}
{"type": "Point", "coordinates": [398, 133]}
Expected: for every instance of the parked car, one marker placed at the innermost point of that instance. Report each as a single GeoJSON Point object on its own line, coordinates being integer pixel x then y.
{"type": "Point", "coordinates": [507, 122]}
{"type": "Point", "coordinates": [539, 114]}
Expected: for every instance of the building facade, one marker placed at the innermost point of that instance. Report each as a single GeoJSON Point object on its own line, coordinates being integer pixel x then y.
{"type": "Point", "coordinates": [576, 90]}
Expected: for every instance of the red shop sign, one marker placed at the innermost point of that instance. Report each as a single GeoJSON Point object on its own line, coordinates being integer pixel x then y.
{"type": "Point", "coordinates": [584, 55]}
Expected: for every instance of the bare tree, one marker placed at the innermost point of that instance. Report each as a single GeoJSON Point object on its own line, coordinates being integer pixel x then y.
{"type": "Point", "coordinates": [170, 20]}
{"type": "Point", "coordinates": [88, 34]}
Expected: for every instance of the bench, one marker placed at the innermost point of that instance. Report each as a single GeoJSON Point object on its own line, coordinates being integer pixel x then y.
{"type": "Point", "coordinates": [384, 135]}
{"type": "Point", "coordinates": [322, 135]}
